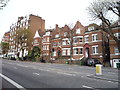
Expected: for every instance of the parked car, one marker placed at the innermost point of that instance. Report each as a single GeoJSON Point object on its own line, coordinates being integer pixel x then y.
{"type": "Point", "coordinates": [11, 56]}
{"type": "Point", "coordinates": [1, 56]}
{"type": "Point", "coordinates": [93, 62]}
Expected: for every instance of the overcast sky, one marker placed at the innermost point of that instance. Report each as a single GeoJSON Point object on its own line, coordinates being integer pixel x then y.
{"type": "Point", "coordinates": [59, 12]}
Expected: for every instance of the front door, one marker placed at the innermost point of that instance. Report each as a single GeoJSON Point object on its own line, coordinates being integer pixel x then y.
{"type": "Point", "coordinates": [87, 52]}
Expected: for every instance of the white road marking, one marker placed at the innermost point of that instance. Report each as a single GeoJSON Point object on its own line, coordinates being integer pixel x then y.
{"type": "Point", "coordinates": [86, 86]}
{"type": "Point", "coordinates": [90, 74]}
{"type": "Point", "coordinates": [36, 74]}
{"type": "Point", "coordinates": [69, 74]}
{"type": "Point", "coordinates": [12, 82]}
{"type": "Point", "coordinates": [66, 73]}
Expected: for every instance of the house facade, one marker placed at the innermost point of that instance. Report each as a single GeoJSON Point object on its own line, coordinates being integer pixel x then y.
{"type": "Point", "coordinates": [80, 42]}
{"type": "Point", "coordinates": [77, 43]}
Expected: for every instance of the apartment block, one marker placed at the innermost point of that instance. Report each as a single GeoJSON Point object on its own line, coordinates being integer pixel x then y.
{"type": "Point", "coordinates": [30, 22]}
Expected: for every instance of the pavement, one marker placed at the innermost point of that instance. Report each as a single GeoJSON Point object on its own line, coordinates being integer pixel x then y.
{"type": "Point", "coordinates": [104, 77]}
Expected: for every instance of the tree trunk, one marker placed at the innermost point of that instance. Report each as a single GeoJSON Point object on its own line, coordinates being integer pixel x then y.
{"type": "Point", "coordinates": [22, 54]}
{"type": "Point", "coordinates": [71, 46]}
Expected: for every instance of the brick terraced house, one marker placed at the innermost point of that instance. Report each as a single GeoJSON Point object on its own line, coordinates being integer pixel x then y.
{"type": "Point", "coordinates": [62, 43]}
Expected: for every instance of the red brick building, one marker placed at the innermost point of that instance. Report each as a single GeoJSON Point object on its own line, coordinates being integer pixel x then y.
{"type": "Point", "coordinates": [85, 42]}
{"type": "Point", "coordinates": [6, 37]}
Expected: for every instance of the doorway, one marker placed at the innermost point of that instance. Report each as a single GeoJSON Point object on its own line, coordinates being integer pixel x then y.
{"type": "Point", "coordinates": [87, 52]}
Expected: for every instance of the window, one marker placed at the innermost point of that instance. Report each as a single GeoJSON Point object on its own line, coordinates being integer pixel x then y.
{"type": "Point", "coordinates": [94, 37]}
{"type": "Point", "coordinates": [68, 42]}
{"type": "Point", "coordinates": [75, 40]}
{"type": "Point", "coordinates": [63, 52]}
{"type": "Point", "coordinates": [91, 28]}
{"type": "Point", "coordinates": [48, 39]}
{"type": "Point", "coordinates": [47, 47]}
{"type": "Point", "coordinates": [35, 41]}
{"type": "Point", "coordinates": [64, 42]}
{"type": "Point", "coordinates": [48, 33]}
{"type": "Point", "coordinates": [57, 36]}
{"type": "Point", "coordinates": [81, 51]}
{"type": "Point", "coordinates": [54, 44]}
{"type": "Point", "coordinates": [65, 33]}
{"type": "Point", "coordinates": [95, 49]}
{"type": "Point", "coordinates": [68, 52]}
{"type": "Point", "coordinates": [77, 31]}
{"type": "Point", "coordinates": [117, 35]}
{"type": "Point", "coordinates": [75, 51]}
{"type": "Point", "coordinates": [59, 43]}
{"type": "Point", "coordinates": [81, 39]}
{"type": "Point", "coordinates": [86, 38]}
{"type": "Point", "coordinates": [116, 50]}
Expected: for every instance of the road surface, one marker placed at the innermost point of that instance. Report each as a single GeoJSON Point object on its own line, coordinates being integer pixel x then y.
{"type": "Point", "coordinates": [26, 75]}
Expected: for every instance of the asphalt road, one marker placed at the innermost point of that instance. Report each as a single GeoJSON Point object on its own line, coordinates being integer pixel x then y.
{"type": "Point", "coordinates": [17, 74]}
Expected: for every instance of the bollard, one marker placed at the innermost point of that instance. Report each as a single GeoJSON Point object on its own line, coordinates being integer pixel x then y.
{"type": "Point", "coordinates": [98, 69]}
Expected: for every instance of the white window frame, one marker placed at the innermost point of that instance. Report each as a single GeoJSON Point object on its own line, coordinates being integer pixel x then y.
{"type": "Point", "coordinates": [57, 36]}
{"type": "Point", "coordinates": [48, 39]}
{"type": "Point", "coordinates": [64, 52]}
{"type": "Point", "coordinates": [75, 40]}
{"type": "Point", "coordinates": [80, 51]}
{"type": "Point", "coordinates": [75, 51]}
{"type": "Point", "coordinates": [65, 34]}
{"type": "Point", "coordinates": [117, 35]}
{"type": "Point", "coordinates": [78, 31]}
{"type": "Point", "coordinates": [116, 51]}
{"type": "Point", "coordinates": [35, 41]}
{"type": "Point", "coordinates": [63, 42]}
{"type": "Point", "coordinates": [86, 36]}
{"type": "Point", "coordinates": [91, 28]}
{"type": "Point", "coordinates": [96, 49]}
{"type": "Point", "coordinates": [47, 33]}
{"type": "Point", "coordinates": [68, 52]}
{"type": "Point", "coordinates": [95, 36]}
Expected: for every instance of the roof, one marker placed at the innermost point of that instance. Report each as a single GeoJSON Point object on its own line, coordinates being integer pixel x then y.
{"type": "Point", "coordinates": [36, 34]}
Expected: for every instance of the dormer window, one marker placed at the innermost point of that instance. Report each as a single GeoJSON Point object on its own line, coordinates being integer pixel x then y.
{"type": "Point", "coordinates": [91, 28]}
{"type": "Point", "coordinates": [48, 33]}
{"type": "Point", "coordinates": [78, 31]}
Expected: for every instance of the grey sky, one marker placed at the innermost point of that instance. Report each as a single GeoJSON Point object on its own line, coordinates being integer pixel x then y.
{"type": "Point", "coordinates": [59, 12]}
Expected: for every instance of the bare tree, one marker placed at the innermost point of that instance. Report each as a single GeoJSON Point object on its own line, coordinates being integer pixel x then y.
{"type": "Point", "coordinates": [99, 9]}
{"type": "Point", "coordinates": [71, 40]}
{"type": "Point", "coordinates": [3, 3]}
